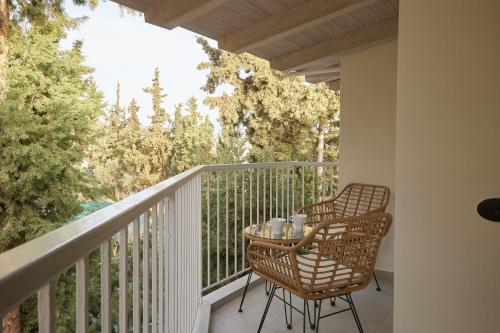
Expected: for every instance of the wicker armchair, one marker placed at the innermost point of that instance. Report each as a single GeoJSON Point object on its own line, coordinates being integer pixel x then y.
{"type": "Point", "coordinates": [355, 199]}
{"type": "Point", "coordinates": [336, 259]}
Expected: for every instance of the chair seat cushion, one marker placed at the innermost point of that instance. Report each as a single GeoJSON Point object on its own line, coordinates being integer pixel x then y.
{"type": "Point", "coordinates": [318, 273]}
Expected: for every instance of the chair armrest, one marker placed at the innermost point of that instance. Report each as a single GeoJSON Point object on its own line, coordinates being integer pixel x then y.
{"type": "Point", "coordinates": [275, 263]}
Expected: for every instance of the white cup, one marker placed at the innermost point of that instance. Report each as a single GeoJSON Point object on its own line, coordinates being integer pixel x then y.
{"type": "Point", "coordinates": [298, 221]}
{"type": "Point", "coordinates": [277, 225]}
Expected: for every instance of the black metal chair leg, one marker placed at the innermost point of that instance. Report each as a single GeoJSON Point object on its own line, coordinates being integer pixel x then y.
{"type": "Point", "coordinates": [304, 319]}
{"type": "Point", "coordinates": [311, 324]}
{"type": "Point", "coordinates": [354, 313]}
{"type": "Point", "coordinates": [288, 325]}
{"type": "Point", "coordinates": [269, 300]}
{"type": "Point", "coordinates": [245, 291]}
{"type": "Point", "coordinates": [376, 281]}
{"type": "Point", "coordinates": [319, 316]}
{"type": "Point", "coordinates": [333, 300]}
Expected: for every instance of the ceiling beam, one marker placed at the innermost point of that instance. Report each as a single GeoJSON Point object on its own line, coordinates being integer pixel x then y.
{"type": "Point", "coordinates": [322, 77]}
{"type": "Point", "coordinates": [331, 49]}
{"type": "Point", "coordinates": [173, 13]}
{"type": "Point", "coordinates": [331, 69]}
{"type": "Point", "coordinates": [288, 22]}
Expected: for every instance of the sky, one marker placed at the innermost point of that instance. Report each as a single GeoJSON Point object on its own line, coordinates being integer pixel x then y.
{"type": "Point", "coordinates": [122, 47]}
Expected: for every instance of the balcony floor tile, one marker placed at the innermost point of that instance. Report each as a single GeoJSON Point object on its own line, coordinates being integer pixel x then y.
{"type": "Point", "coordinates": [374, 308]}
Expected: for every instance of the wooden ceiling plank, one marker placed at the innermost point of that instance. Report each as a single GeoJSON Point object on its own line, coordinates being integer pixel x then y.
{"type": "Point", "coordinates": [365, 16]}
{"type": "Point", "coordinates": [271, 7]}
{"type": "Point", "coordinates": [337, 46]}
{"type": "Point", "coordinates": [331, 28]}
{"type": "Point", "coordinates": [348, 23]}
{"type": "Point", "coordinates": [316, 34]}
{"type": "Point", "coordinates": [248, 10]}
{"type": "Point", "coordinates": [289, 22]}
{"type": "Point", "coordinates": [230, 17]}
{"type": "Point", "coordinates": [173, 13]}
{"type": "Point", "coordinates": [291, 3]}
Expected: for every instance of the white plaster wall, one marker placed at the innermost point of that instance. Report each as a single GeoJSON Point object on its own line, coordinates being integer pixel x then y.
{"type": "Point", "coordinates": [368, 125]}
{"type": "Point", "coordinates": [447, 259]}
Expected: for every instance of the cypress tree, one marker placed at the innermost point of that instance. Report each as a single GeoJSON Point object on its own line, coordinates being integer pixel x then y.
{"type": "Point", "coordinates": [157, 144]}
{"type": "Point", "coordinates": [192, 136]}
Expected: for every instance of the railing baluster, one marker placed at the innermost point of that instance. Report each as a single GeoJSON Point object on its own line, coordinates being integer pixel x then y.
{"type": "Point", "coordinates": [331, 182]}
{"type": "Point", "coordinates": [293, 189]}
{"type": "Point", "coordinates": [243, 243]}
{"type": "Point", "coordinates": [276, 177]}
{"type": "Point", "coordinates": [282, 193]}
{"type": "Point", "coordinates": [250, 206]}
{"type": "Point", "coordinates": [235, 223]}
{"type": "Point", "coordinates": [227, 225]}
{"type": "Point", "coordinates": [270, 193]}
{"type": "Point", "coordinates": [264, 193]}
{"type": "Point", "coordinates": [160, 265]}
{"type": "Point", "coordinates": [208, 229]}
{"type": "Point", "coordinates": [82, 296]}
{"type": "Point", "coordinates": [47, 308]}
{"type": "Point", "coordinates": [218, 230]}
{"type": "Point", "coordinates": [123, 283]}
{"type": "Point", "coordinates": [136, 303]}
{"type": "Point", "coordinates": [145, 274]}
{"type": "Point", "coordinates": [314, 186]}
{"type": "Point", "coordinates": [198, 229]}
{"type": "Point", "coordinates": [323, 184]}
{"type": "Point", "coordinates": [257, 213]}
{"type": "Point", "coordinates": [166, 262]}
{"type": "Point", "coordinates": [302, 187]}
{"type": "Point", "coordinates": [106, 287]}
{"type": "Point", "coordinates": [173, 247]}
{"type": "Point", "coordinates": [287, 193]}
{"type": "Point", "coordinates": [154, 271]}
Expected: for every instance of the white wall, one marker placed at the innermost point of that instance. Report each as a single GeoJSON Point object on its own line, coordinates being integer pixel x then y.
{"type": "Point", "coordinates": [368, 126]}
{"type": "Point", "coordinates": [447, 259]}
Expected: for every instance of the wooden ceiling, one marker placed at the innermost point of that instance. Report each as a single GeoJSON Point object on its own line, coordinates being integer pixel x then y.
{"type": "Point", "coordinates": [298, 37]}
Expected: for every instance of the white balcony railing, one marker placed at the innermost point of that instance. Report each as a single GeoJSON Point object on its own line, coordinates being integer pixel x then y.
{"type": "Point", "coordinates": [186, 240]}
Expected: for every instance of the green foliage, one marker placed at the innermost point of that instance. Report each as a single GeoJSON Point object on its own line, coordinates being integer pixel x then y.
{"type": "Point", "coordinates": [47, 121]}
{"type": "Point", "coordinates": [157, 142]}
{"type": "Point", "coordinates": [192, 138]}
{"type": "Point", "coordinates": [280, 118]}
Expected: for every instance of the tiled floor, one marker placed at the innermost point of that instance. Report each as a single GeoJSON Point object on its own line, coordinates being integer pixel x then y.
{"type": "Point", "coordinates": [374, 308]}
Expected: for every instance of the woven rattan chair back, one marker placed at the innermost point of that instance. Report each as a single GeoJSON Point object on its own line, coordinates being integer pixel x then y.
{"type": "Point", "coordinates": [354, 199]}
{"type": "Point", "coordinates": [336, 258]}
{"type": "Point", "coordinates": [357, 199]}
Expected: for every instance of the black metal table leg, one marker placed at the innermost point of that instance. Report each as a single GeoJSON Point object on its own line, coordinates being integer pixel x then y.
{"type": "Point", "coordinates": [245, 291]}
{"type": "Point", "coordinates": [269, 300]}
{"type": "Point", "coordinates": [376, 281]}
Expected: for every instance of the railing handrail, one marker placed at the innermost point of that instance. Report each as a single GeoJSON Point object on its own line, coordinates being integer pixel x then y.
{"type": "Point", "coordinates": [26, 268]}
